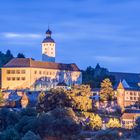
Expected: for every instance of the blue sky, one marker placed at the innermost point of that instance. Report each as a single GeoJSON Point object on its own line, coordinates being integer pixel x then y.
{"type": "Point", "coordinates": [87, 32]}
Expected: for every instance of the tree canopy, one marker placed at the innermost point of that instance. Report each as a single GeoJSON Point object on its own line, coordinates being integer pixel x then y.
{"type": "Point", "coordinates": [106, 92]}
{"type": "Point", "coordinates": [94, 76]}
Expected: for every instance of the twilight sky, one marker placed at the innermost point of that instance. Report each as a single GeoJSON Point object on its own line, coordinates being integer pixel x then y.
{"type": "Point", "coordinates": [86, 31]}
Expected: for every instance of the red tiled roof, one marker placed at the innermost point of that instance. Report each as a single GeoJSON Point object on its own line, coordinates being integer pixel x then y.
{"type": "Point", "coordinates": [127, 116]}
{"type": "Point", "coordinates": [27, 62]}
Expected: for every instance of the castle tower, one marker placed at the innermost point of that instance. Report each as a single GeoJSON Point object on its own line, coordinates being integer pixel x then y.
{"type": "Point", "coordinates": [121, 95]}
{"type": "Point", "coordinates": [48, 48]}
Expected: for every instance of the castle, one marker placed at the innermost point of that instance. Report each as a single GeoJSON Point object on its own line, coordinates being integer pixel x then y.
{"type": "Point", "coordinates": [26, 73]}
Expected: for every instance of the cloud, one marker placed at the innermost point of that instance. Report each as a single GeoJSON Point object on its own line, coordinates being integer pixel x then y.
{"type": "Point", "coordinates": [111, 59]}
{"type": "Point", "coordinates": [20, 35]}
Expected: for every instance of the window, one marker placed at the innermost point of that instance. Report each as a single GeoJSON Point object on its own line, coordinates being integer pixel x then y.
{"type": "Point", "coordinates": [51, 48]}
{"type": "Point", "coordinates": [12, 71]}
{"type": "Point", "coordinates": [18, 78]}
{"type": "Point", "coordinates": [131, 98]}
{"type": "Point", "coordinates": [8, 78]}
{"type": "Point", "coordinates": [8, 71]}
{"type": "Point", "coordinates": [23, 78]}
{"type": "Point", "coordinates": [23, 71]}
{"type": "Point", "coordinates": [18, 71]}
{"type": "Point", "coordinates": [35, 72]}
{"type": "Point", "coordinates": [40, 72]}
{"type": "Point", "coordinates": [135, 98]}
{"type": "Point", "coordinates": [13, 78]}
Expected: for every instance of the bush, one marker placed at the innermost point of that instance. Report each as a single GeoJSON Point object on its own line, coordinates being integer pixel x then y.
{"type": "Point", "coordinates": [31, 136]}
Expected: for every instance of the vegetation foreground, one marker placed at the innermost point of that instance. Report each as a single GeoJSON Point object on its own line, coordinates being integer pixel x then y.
{"type": "Point", "coordinates": [62, 115]}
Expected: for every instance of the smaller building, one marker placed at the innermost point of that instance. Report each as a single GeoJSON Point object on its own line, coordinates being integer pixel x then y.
{"type": "Point", "coordinates": [62, 85]}
{"type": "Point", "coordinates": [128, 118]}
{"type": "Point", "coordinates": [127, 95]}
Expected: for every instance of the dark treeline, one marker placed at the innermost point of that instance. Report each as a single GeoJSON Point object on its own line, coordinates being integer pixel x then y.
{"type": "Point", "coordinates": [94, 76]}
{"type": "Point", "coordinates": [6, 57]}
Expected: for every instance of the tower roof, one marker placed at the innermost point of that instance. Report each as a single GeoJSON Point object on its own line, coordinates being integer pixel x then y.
{"type": "Point", "coordinates": [120, 86]}
{"type": "Point", "coordinates": [49, 31]}
{"type": "Point", "coordinates": [48, 37]}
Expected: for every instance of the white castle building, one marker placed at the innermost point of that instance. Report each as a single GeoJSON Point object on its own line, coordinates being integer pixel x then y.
{"type": "Point", "coordinates": [25, 73]}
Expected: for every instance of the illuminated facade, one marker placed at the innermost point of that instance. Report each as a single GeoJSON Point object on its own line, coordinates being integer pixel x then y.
{"type": "Point", "coordinates": [127, 96]}
{"type": "Point", "coordinates": [25, 73]}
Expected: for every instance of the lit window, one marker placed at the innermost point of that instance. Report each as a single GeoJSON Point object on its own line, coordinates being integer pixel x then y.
{"type": "Point", "coordinates": [18, 78]}
{"type": "Point", "coordinates": [8, 78]}
{"type": "Point", "coordinates": [23, 78]}
{"type": "Point", "coordinates": [13, 78]}
{"type": "Point", "coordinates": [12, 71]}
{"type": "Point", "coordinates": [8, 71]}
{"type": "Point", "coordinates": [18, 71]}
{"type": "Point", "coordinates": [23, 71]}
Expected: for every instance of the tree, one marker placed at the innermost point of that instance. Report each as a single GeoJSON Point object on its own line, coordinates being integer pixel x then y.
{"type": "Point", "coordinates": [2, 101]}
{"type": "Point", "coordinates": [5, 58]}
{"type": "Point", "coordinates": [41, 97]}
{"type": "Point", "coordinates": [94, 76]}
{"type": "Point", "coordinates": [10, 134]}
{"type": "Point", "coordinates": [106, 92]}
{"type": "Point", "coordinates": [31, 136]}
{"type": "Point", "coordinates": [20, 55]}
{"type": "Point", "coordinates": [93, 121]}
{"type": "Point", "coordinates": [137, 126]}
{"type": "Point", "coordinates": [9, 54]}
{"type": "Point", "coordinates": [113, 123]}
{"type": "Point", "coordinates": [108, 135]}
{"type": "Point", "coordinates": [80, 98]}
{"type": "Point", "coordinates": [56, 98]}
